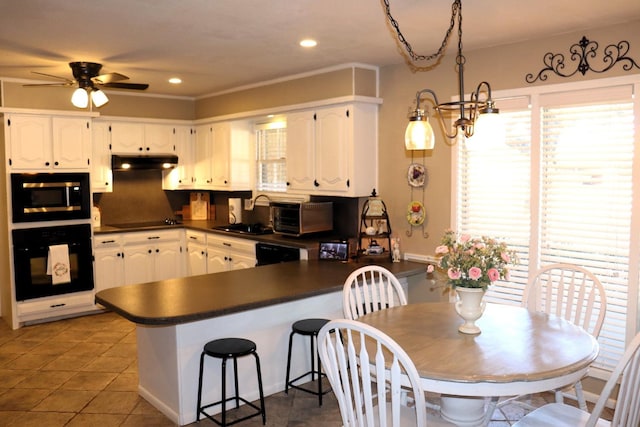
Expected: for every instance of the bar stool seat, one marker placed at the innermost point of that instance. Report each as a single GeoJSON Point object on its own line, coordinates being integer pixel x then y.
{"type": "Point", "coordinates": [230, 348]}
{"type": "Point", "coordinates": [310, 328]}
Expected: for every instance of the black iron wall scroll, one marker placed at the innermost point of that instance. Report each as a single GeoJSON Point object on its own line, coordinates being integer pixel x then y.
{"type": "Point", "coordinates": [582, 52]}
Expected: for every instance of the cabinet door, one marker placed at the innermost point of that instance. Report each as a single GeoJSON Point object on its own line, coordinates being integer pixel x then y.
{"type": "Point", "coordinates": [101, 175]}
{"type": "Point", "coordinates": [30, 139]}
{"type": "Point", "coordinates": [300, 151]}
{"type": "Point", "coordinates": [239, 261]}
{"type": "Point", "coordinates": [183, 138]}
{"type": "Point", "coordinates": [197, 256]}
{"type": "Point", "coordinates": [127, 138]}
{"type": "Point", "coordinates": [109, 268]}
{"type": "Point", "coordinates": [220, 155]}
{"type": "Point", "coordinates": [217, 260]}
{"type": "Point", "coordinates": [71, 143]}
{"type": "Point", "coordinates": [332, 148]}
{"type": "Point", "coordinates": [202, 150]}
{"type": "Point", "coordinates": [138, 264]}
{"type": "Point", "coordinates": [167, 261]}
{"type": "Point", "coordinates": [158, 139]}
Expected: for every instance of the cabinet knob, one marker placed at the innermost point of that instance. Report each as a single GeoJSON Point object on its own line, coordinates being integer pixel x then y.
{"type": "Point", "coordinates": [157, 250]}
{"type": "Point", "coordinates": [147, 148]}
{"type": "Point", "coordinates": [56, 163]}
{"type": "Point", "coordinates": [230, 259]}
{"type": "Point", "coordinates": [150, 251]}
{"type": "Point", "coordinates": [139, 148]}
{"type": "Point", "coordinates": [315, 183]}
{"type": "Point", "coordinates": [225, 258]}
{"type": "Point", "coordinates": [46, 163]}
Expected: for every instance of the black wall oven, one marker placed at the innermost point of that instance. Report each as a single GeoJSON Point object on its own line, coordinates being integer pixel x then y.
{"type": "Point", "coordinates": [50, 196]}
{"type": "Point", "coordinates": [31, 252]}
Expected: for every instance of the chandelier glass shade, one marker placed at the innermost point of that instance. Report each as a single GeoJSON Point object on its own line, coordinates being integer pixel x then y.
{"type": "Point", "coordinates": [80, 97]}
{"type": "Point", "coordinates": [465, 113]}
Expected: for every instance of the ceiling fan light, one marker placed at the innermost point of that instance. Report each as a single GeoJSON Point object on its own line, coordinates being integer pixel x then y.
{"type": "Point", "coordinates": [80, 98]}
{"type": "Point", "coordinates": [419, 133]}
{"type": "Point", "coordinates": [99, 98]}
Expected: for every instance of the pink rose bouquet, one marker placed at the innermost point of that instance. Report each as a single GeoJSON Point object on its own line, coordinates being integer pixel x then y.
{"type": "Point", "coordinates": [474, 262]}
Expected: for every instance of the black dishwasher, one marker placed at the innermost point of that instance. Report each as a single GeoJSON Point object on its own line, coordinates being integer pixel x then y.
{"type": "Point", "coordinates": [269, 253]}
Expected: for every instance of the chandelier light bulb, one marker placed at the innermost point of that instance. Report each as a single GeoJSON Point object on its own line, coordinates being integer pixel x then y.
{"type": "Point", "coordinates": [419, 134]}
{"type": "Point", "coordinates": [99, 98]}
{"type": "Point", "coordinates": [80, 98]}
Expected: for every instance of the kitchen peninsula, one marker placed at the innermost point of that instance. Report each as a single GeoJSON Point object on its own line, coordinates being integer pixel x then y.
{"type": "Point", "coordinates": [176, 317]}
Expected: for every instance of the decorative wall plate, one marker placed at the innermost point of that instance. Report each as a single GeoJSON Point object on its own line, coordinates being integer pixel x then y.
{"type": "Point", "coordinates": [416, 175]}
{"type": "Point", "coordinates": [415, 213]}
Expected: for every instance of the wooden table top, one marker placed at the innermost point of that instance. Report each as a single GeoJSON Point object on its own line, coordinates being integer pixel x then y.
{"type": "Point", "coordinates": [515, 346]}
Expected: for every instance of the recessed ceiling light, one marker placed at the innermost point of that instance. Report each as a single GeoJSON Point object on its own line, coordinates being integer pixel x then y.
{"type": "Point", "coordinates": [175, 80]}
{"type": "Point", "coordinates": [308, 43]}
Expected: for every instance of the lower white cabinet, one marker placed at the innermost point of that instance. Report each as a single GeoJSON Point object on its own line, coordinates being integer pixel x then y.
{"type": "Point", "coordinates": [137, 257]}
{"type": "Point", "coordinates": [213, 253]}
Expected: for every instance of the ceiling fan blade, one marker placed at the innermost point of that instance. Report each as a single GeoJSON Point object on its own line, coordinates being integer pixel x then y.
{"type": "Point", "coordinates": [51, 75]}
{"type": "Point", "coordinates": [135, 86]}
{"type": "Point", "coordinates": [67, 84]}
{"type": "Point", "coordinates": [109, 78]}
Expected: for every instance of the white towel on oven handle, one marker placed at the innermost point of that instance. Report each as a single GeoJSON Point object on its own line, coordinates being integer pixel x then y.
{"type": "Point", "coordinates": [58, 266]}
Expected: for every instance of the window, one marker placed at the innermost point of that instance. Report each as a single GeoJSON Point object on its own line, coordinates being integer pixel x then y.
{"type": "Point", "coordinates": [271, 162]}
{"type": "Point", "coordinates": [560, 190]}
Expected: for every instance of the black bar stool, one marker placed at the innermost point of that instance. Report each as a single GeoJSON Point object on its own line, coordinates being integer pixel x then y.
{"type": "Point", "coordinates": [310, 328]}
{"type": "Point", "coordinates": [224, 349]}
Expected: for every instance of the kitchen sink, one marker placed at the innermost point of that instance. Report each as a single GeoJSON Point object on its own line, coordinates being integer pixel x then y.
{"type": "Point", "coordinates": [252, 229]}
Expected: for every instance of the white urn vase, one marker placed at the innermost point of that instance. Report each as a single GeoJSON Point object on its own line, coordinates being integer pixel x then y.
{"type": "Point", "coordinates": [470, 307]}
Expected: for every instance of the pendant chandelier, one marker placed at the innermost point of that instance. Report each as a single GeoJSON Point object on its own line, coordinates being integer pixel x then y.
{"type": "Point", "coordinates": [472, 113]}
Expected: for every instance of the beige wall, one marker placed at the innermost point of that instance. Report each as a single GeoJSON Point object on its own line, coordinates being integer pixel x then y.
{"type": "Point", "coordinates": [504, 67]}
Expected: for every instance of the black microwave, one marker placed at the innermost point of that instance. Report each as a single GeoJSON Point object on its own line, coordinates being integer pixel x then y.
{"type": "Point", "coordinates": [50, 196]}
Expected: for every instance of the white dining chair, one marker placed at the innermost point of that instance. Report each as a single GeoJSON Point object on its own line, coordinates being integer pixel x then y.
{"type": "Point", "coordinates": [571, 292]}
{"type": "Point", "coordinates": [627, 407]}
{"type": "Point", "coordinates": [355, 357]}
{"type": "Point", "coordinates": [371, 288]}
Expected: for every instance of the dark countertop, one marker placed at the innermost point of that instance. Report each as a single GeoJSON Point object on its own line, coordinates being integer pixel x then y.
{"type": "Point", "coordinates": [189, 299]}
{"type": "Point", "coordinates": [310, 243]}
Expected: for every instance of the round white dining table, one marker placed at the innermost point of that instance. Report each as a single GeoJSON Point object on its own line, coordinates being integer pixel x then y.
{"type": "Point", "coordinates": [517, 352]}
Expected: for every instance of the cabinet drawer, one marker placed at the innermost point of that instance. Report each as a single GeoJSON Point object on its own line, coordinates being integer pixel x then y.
{"type": "Point", "coordinates": [240, 245]}
{"type": "Point", "coordinates": [150, 236]}
{"type": "Point", "coordinates": [196, 237]}
{"type": "Point", "coordinates": [107, 240]}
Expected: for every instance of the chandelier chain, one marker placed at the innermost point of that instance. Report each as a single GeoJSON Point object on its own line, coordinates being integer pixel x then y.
{"type": "Point", "coordinates": [455, 11]}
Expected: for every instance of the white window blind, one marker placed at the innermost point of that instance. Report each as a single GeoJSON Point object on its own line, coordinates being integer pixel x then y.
{"type": "Point", "coordinates": [494, 182]}
{"type": "Point", "coordinates": [559, 190]}
{"type": "Point", "coordinates": [271, 162]}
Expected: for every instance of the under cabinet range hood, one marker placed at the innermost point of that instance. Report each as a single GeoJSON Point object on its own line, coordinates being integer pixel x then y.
{"type": "Point", "coordinates": [122, 162]}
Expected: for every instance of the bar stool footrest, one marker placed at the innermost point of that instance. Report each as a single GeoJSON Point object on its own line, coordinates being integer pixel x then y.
{"type": "Point", "coordinates": [246, 417]}
{"type": "Point", "coordinates": [322, 375]}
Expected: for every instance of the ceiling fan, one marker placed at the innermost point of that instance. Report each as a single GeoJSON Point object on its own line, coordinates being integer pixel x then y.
{"type": "Point", "coordinates": [88, 80]}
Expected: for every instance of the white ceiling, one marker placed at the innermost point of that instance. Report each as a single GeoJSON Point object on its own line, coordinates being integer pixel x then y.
{"type": "Point", "coordinates": [217, 45]}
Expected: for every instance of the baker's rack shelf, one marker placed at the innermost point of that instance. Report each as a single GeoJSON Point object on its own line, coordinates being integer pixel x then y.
{"type": "Point", "coordinates": [374, 242]}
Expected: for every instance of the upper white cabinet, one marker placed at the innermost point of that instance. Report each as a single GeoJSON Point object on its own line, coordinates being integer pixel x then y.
{"type": "Point", "coordinates": [43, 142]}
{"type": "Point", "coordinates": [223, 156]}
{"type": "Point", "coordinates": [182, 177]}
{"type": "Point", "coordinates": [332, 150]}
{"type": "Point", "coordinates": [141, 138]}
{"type": "Point", "coordinates": [101, 175]}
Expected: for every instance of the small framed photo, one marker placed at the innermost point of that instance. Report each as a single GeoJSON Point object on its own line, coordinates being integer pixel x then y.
{"type": "Point", "coordinates": [334, 251]}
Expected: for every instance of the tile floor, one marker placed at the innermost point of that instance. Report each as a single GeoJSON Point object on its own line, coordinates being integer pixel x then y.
{"type": "Point", "coordinates": [83, 372]}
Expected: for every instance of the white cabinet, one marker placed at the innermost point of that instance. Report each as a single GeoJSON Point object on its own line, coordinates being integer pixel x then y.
{"type": "Point", "coordinates": [152, 255]}
{"type": "Point", "coordinates": [43, 142]}
{"type": "Point", "coordinates": [141, 138]}
{"type": "Point", "coordinates": [228, 253]}
{"type": "Point", "coordinates": [332, 150]}
{"type": "Point", "coordinates": [109, 261]}
{"type": "Point", "coordinates": [224, 157]}
{"type": "Point", "coordinates": [196, 253]}
{"type": "Point", "coordinates": [137, 257]}
{"type": "Point", "coordinates": [182, 177]}
{"type": "Point", "coordinates": [213, 253]}
{"type": "Point", "coordinates": [101, 175]}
